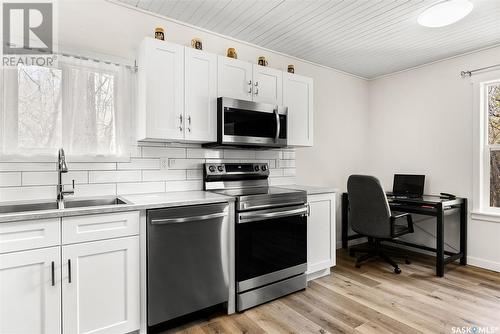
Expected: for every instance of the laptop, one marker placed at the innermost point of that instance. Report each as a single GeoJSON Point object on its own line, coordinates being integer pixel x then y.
{"type": "Point", "coordinates": [408, 186]}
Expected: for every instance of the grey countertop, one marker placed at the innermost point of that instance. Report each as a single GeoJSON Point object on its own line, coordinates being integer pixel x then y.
{"type": "Point", "coordinates": [134, 202]}
{"type": "Point", "coordinates": [311, 190]}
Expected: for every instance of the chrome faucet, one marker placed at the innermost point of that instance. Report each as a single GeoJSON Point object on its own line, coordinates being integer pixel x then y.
{"type": "Point", "coordinates": [62, 167]}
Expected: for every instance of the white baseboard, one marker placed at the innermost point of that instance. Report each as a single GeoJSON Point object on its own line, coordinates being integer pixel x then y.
{"type": "Point", "coordinates": [482, 263]}
{"type": "Point", "coordinates": [318, 274]}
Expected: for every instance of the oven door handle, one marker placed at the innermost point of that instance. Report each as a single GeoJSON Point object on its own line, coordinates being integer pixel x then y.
{"type": "Point", "coordinates": [251, 217]}
{"type": "Point", "coordinates": [277, 115]}
{"type": "Point", "coordinates": [187, 219]}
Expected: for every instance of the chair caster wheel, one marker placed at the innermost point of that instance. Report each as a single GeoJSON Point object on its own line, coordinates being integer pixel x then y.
{"type": "Point", "coordinates": [407, 261]}
{"type": "Point", "coordinates": [397, 270]}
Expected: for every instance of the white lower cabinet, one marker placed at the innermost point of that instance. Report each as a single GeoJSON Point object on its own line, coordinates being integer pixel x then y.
{"type": "Point", "coordinates": [321, 240]}
{"type": "Point", "coordinates": [30, 291]}
{"type": "Point", "coordinates": [100, 286]}
{"type": "Point", "coordinates": [93, 288]}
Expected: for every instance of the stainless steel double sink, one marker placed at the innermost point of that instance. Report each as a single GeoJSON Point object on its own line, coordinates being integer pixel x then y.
{"type": "Point", "coordinates": [68, 204]}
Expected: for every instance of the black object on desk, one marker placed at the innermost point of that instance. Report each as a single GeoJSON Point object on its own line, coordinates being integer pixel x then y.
{"type": "Point", "coordinates": [427, 205]}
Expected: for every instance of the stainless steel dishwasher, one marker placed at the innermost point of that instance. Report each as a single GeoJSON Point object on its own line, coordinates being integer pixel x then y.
{"type": "Point", "coordinates": [187, 260]}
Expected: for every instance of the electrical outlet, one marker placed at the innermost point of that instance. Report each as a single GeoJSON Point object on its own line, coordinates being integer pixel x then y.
{"type": "Point", "coordinates": [164, 163]}
{"type": "Point", "coordinates": [171, 163]}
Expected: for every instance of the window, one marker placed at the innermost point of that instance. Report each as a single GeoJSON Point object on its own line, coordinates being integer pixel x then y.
{"type": "Point", "coordinates": [486, 185]}
{"type": "Point", "coordinates": [81, 105]}
{"type": "Point", "coordinates": [493, 146]}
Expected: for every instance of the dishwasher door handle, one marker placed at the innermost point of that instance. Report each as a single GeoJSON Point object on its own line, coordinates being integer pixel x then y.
{"type": "Point", "coordinates": [187, 219]}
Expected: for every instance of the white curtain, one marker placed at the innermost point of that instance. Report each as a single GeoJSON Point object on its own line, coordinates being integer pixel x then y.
{"type": "Point", "coordinates": [81, 105]}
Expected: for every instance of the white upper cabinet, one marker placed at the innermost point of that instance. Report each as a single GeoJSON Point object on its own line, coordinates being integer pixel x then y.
{"type": "Point", "coordinates": [101, 286]}
{"type": "Point", "coordinates": [160, 90]}
{"type": "Point", "coordinates": [235, 78]}
{"type": "Point", "coordinates": [298, 97]}
{"type": "Point", "coordinates": [267, 85]}
{"type": "Point", "coordinates": [200, 101]}
{"type": "Point", "coordinates": [30, 291]}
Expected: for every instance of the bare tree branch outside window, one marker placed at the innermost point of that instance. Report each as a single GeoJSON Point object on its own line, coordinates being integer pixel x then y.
{"type": "Point", "coordinates": [494, 139]}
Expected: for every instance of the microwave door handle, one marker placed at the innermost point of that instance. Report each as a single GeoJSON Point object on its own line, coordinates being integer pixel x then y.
{"type": "Point", "coordinates": [277, 125]}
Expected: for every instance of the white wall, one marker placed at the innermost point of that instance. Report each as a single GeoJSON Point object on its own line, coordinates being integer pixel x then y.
{"type": "Point", "coordinates": [420, 121]}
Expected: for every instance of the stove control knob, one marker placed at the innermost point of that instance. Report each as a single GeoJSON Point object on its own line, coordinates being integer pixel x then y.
{"type": "Point", "coordinates": [264, 168]}
{"type": "Point", "coordinates": [220, 168]}
{"type": "Point", "coordinates": [211, 168]}
{"type": "Point", "coordinates": [256, 168]}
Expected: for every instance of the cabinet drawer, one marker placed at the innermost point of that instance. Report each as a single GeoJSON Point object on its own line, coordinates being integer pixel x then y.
{"type": "Point", "coordinates": [97, 227]}
{"type": "Point", "coordinates": [29, 234]}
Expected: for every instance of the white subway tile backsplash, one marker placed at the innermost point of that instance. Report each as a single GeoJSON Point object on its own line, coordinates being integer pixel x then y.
{"type": "Point", "coordinates": [271, 154]}
{"type": "Point", "coordinates": [204, 153]}
{"type": "Point", "coordinates": [164, 175]}
{"type": "Point", "coordinates": [92, 166]}
{"type": "Point", "coordinates": [114, 176]}
{"type": "Point", "coordinates": [194, 174]}
{"type": "Point", "coordinates": [185, 163]}
{"type": "Point", "coordinates": [27, 193]}
{"type": "Point", "coordinates": [288, 155]}
{"type": "Point", "coordinates": [95, 190]}
{"type": "Point", "coordinates": [239, 154]}
{"type": "Point", "coordinates": [139, 164]}
{"type": "Point", "coordinates": [184, 185]}
{"type": "Point", "coordinates": [50, 178]}
{"type": "Point", "coordinates": [141, 174]}
{"type": "Point", "coordinates": [26, 166]}
{"type": "Point", "coordinates": [286, 163]}
{"type": "Point", "coordinates": [10, 179]}
{"type": "Point", "coordinates": [161, 152]}
{"type": "Point", "coordinates": [140, 188]}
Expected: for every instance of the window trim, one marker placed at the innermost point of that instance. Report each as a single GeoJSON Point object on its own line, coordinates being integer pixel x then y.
{"type": "Point", "coordinates": [481, 209]}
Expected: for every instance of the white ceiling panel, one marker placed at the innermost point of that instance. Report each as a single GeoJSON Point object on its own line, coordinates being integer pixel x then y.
{"type": "Point", "coordinates": [368, 38]}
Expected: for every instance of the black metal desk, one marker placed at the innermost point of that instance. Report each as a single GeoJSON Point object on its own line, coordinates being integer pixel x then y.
{"type": "Point", "coordinates": [427, 205]}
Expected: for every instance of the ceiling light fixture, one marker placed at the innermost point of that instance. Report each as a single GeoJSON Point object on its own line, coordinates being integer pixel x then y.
{"type": "Point", "coordinates": [445, 13]}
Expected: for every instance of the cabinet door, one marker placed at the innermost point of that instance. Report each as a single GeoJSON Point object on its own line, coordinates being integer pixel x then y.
{"type": "Point", "coordinates": [298, 97]}
{"type": "Point", "coordinates": [321, 233]}
{"type": "Point", "coordinates": [101, 286]}
{"type": "Point", "coordinates": [162, 81]}
{"type": "Point", "coordinates": [30, 291]}
{"type": "Point", "coordinates": [234, 78]}
{"type": "Point", "coordinates": [268, 85]}
{"type": "Point", "coordinates": [200, 95]}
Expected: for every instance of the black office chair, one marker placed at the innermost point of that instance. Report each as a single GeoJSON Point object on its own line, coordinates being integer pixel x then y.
{"type": "Point", "coordinates": [370, 215]}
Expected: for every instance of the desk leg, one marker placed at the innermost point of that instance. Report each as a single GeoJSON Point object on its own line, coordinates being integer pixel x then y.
{"type": "Point", "coordinates": [440, 241]}
{"type": "Point", "coordinates": [463, 232]}
{"type": "Point", "coordinates": [345, 223]}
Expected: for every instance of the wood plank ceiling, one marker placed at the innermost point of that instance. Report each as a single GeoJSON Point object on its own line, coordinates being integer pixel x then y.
{"type": "Point", "coordinates": [368, 38]}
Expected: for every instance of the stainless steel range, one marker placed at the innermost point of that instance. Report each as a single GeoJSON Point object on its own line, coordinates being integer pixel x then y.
{"type": "Point", "coordinates": [271, 232]}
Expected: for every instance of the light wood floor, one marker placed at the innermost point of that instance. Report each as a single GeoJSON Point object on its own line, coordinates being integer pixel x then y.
{"type": "Point", "coordinates": [373, 299]}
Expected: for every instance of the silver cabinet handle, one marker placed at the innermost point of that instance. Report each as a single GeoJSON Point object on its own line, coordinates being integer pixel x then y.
{"type": "Point", "coordinates": [279, 214]}
{"type": "Point", "coordinates": [69, 270]}
{"type": "Point", "coordinates": [256, 91]}
{"type": "Point", "coordinates": [189, 129]}
{"type": "Point", "coordinates": [278, 125]}
{"type": "Point", "coordinates": [180, 128]}
{"type": "Point", "coordinates": [52, 273]}
{"type": "Point", "coordinates": [180, 119]}
{"type": "Point", "coordinates": [187, 219]}
{"type": "Point", "coordinates": [189, 119]}
{"type": "Point", "coordinates": [256, 83]}
{"type": "Point", "coordinates": [249, 86]}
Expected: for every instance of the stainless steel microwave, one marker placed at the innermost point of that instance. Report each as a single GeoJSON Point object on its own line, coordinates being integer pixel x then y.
{"type": "Point", "coordinates": [250, 124]}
